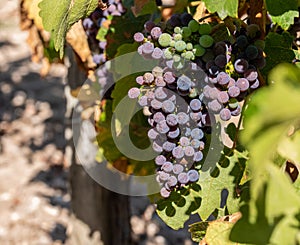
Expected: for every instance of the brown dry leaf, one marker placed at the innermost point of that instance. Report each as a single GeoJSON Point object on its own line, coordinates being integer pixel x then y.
{"type": "Point", "coordinates": [77, 38]}
{"type": "Point", "coordinates": [200, 11]}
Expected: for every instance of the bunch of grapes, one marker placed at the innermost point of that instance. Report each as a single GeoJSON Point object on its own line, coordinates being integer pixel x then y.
{"type": "Point", "coordinates": [178, 101]}
{"type": "Point", "coordinates": [93, 24]}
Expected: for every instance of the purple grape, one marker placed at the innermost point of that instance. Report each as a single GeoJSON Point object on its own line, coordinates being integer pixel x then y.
{"type": "Point", "coordinates": [148, 78]}
{"type": "Point", "coordinates": [236, 111]}
{"type": "Point", "coordinates": [152, 134]}
{"type": "Point", "coordinates": [158, 117]}
{"type": "Point", "coordinates": [184, 83]}
{"type": "Point", "coordinates": [174, 21]}
{"type": "Point", "coordinates": [198, 156]}
{"type": "Point", "coordinates": [233, 91]}
{"type": "Point", "coordinates": [251, 75]}
{"type": "Point", "coordinates": [195, 143]}
{"type": "Point", "coordinates": [242, 84]}
{"type": "Point", "coordinates": [189, 151]}
{"type": "Point", "coordinates": [162, 127]}
{"type": "Point", "coordinates": [177, 168]}
{"type": "Point", "coordinates": [251, 52]}
{"type": "Point", "coordinates": [220, 48]}
{"type": "Point", "coordinates": [140, 80]}
{"type": "Point", "coordinates": [174, 134]}
{"type": "Point", "coordinates": [184, 141]}
{"type": "Point", "coordinates": [156, 104]}
{"type": "Point", "coordinates": [156, 32]}
{"type": "Point", "coordinates": [172, 120]}
{"type": "Point", "coordinates": [164, 192]}
{"type": "Point", "coordinates": [259, 62]}
{"type": "Point", "coordinates": [183, 118]}
{"type": "Point", "coordinates": [225, 114]}
{"type": "Point", "coordinates": [168, 146]}
{"type": "Point", "coordinates": [147, 48]}
{"type": "Point", "coordinates": [157, 53]}
{"type": "Point", "coordinates": [159, 82]}
{"type": "Point", "coordinates": [138, 37]}
{"type": "Point", "coordinates": [156, 147]}
{"type": "Point", "coordinates": [160, 93]}
{"type": "Point", "coordinates": [196, 116]}
{"type": "Point", "coordinates": [241, 65]}
{"type": "Point", "coordinates": [183, 178]}
{"type": "Point", "coordinates": [213, 93]}
{"type": "Point", "coordinates": [223, 78]}
{"type": "Point", "coordinates": [214, 70]}
{"type": "Point", "coordinates": [143, 101]}
{"type": "Point", "coordinates": [168, 106]}
{"type": "Point", "coordinates": [242, 41]}
{"type": "Point", "coordinates": [178, 152]}
{"type": "Point", "coordinates": [197, 133]}
{"type": "Point", "coordinates": [231, 83]}
{"type": "Point", "coordinates": [163, 176]}
{"type": "Point", "coordinates": [133, 93]}
{"type": "Point", "coordinates": [255, 84]}
{"type": "Point", "coordinates": [193, 175]}
{"type": "Point", "coordinates": [169, 78]}
{"type": "Point", "coordinates": [221, 60]}
{"type": "Point", "coordinates": [214, 105]}
{"type": "Point", "coordinates": [160, 160]}
{"type": "Point", "coordinates": [195, 104]}
{"type": "Point", "coordinates": [140, 50]}
{"type": "Point", "coordinates": [172, 181]}
{"type": "Point", "coordinates": [149, 25]}
{"type": "Point", "coordinates": [223, 97]}
{"type": "Point", "coordinates": [167, 167]}
{"type": "Point", "coordinates": [185, 18]}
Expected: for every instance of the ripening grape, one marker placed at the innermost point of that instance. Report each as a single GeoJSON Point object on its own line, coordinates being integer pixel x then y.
{"type": "Point", "coordinates": [223, 78]}
{"type": "Point", "coordinates": [172, 120]}
{"type": "Point", "coordinates": [225, 114]}
{"type": "Point", "coordinates": [164, 192]}
{"type": "Point", "coordinates": [260, 44]}
{"type": "Point", "coordinates": [133, 93]}
{"type": "Point", "coordinates": [189, 46]}
{"type": "Point", "coordinates": [206, 41]}
{"type": "Point", "coordinates": [168, 54]}
{"type": "Point", "coordinates": [160, 160]}
{"type": "Point", "coordinates": [221, 60]}
{"type": "Point", "coordinates": [241, 65]}
{"type": "Point", "coordinates": [204, 29]}
{"type": "Point", "coordinates": [138, 37]}
{"type": "Point", "coordinates": [162, 127]}
{"type": "Point", "coordinates": [242, 84]}
{"type": "Point", "coordinates": [213, 70]}
{"type": "Point", "coordinates": [189, 55]}
{"type": "Point", "coordinates": [177, 30]}
{"type": "Point", "coordinates": [233, 91]}
{"type": "Point", "coordinates": [197, 133]}
{"type": "Point", "coordinates": [168, 106]}
{"type": "Point", "coordinates": [253, 31]}
{"type": "Point", "coordinates": [177, 168]}
{"type": "Point", "coordinates": [180, 46]}
{"type": "Point", "coordinates": [176, 58]}
{"type": "Point", "coordinates": [223, 97]}
{"type": "Point", "coordinates": [168, 146]}
{"type": "Point", "coordinates": [183, 178]}
{"type": "Point", "coordinates": [251, 75]}
{"type": "Point", "coordinates": [251, 52]}
{"type": "Point", "coordinates": [147, 48]}
{"type": "Point", "coordinates": [255, 84]}
{"type": "Point", "coordinates": [236, 111]}
{"type": "Point", "coordinates": [195, 143]}
{"type": "Point", "coordinates": [220, 48]}
{"type": "Point", "coordinates": [148, 78]}
{"type": "Point", "coordinates": [149, 25]}
{"type": "Point", "coordinates": [157, 53]}
{"type": "Point", "coordinates": [193, 25]}
{"type": "Point", "coordinates": [156, 32]}
{"type": "Point", "coordinates": [233, 103]}
{"type": "Point", "coordinates": [177, 37]}
{"type": "Point", "coordinates": [140, 80]}
{"type": "Point", "coordinates": [164, 39]}
{"type": "Point", "coordinates": [193, 175]}
{"type": "Point", "coordinates": [214, 105]}
{"type": "Point", "coordinates": [178, 152]}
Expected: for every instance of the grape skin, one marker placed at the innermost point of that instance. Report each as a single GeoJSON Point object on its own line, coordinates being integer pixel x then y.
{"type": "Point", "coordinates": [241, 65]}
{"type": "Point", "coordinates": [242, 84]}
{"type": "Point", "coordinates": [160, 160]}
{"type": "Point", "coordinates": [138, 37]}
{"type": "Point", "coordinates": [225, 114]}
{"type": "Point", "coordinates": [193, 175]}
{"type": "Point", "coordinates": [133, 93]}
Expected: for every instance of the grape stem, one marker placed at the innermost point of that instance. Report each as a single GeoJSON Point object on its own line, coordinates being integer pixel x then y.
{"type": "Point", "coordinates": [208, 16]}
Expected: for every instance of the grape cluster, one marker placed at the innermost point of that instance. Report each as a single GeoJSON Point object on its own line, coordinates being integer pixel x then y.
{"type": "Point", "coordinates": [178, 102]}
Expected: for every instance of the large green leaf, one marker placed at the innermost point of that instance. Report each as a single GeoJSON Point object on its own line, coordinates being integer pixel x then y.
{"type": "Point", "coordinates": [283, 11]}
{"type": "Point", "coordinates": [278, 49]}
{"type": "Point", "coordinates": [59, 15]}
{"type": "Point", "coordinates": [224, 8]}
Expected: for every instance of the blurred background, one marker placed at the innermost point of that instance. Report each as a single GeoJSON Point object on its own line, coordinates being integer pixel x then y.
{"type": "Point", "coordinates": [45, 195]}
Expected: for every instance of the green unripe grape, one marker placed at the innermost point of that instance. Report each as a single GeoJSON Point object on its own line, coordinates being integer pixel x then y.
{"type": "Point", "coordinates": [180, 46]}
{"type": "Point", "coordinates": [206, 41]}
{"type": "Point", "coordinates": [189, 46]}
{"type": "Point", "coordinates": [183, 55]}
{"type": "Point", "coordinates": [186, 32]}
{"type": "Point", "coordinates": [189, 55]}
{"type": "Point", "coordinates": [177, 37]}
{"type": "Point", "coordinates": [199, 50]}
{"type": "Point", "coordinates": [260, 44]}
{"type": "Point", "coordinates": [177, 30]}
{"type": "Point", "coordinates": [172, 43]}
{"type": "Point", "coordinates": [176, 58]}
{"type": "Point", "coordinates": [193, 25]}
{"type": "Point", "coordinates": [168, 54]}
{"type": "Point", "coordinates": [233, 103]}
{"type": "Point", "coordinates": [204, 29]}
{"type": "Point", "coordinates": [164, 40]}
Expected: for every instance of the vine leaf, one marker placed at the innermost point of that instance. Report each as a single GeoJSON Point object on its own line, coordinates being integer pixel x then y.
{"type": "Point", "coordinates": [224, 8]}
{"type": "Point", "coordinates": [59, 15]}
{"type": "Point", "coordinates": [278, 50]}
{"type": "Point", "coordinates": [283, 12]}
{"type": "Point", "coordinates": [273, 210]}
